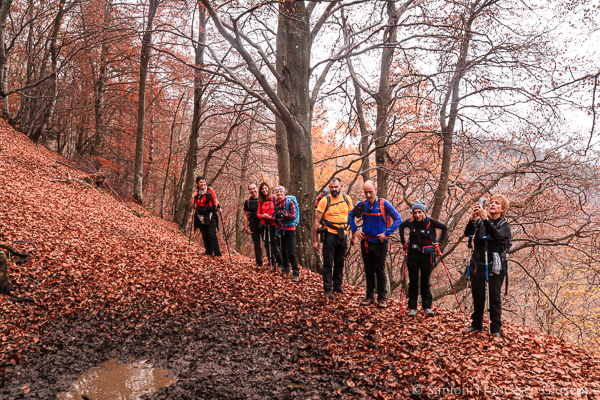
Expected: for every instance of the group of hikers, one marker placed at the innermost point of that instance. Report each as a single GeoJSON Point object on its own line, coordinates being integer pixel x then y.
{"type": "Point", "coordinates": [271, 217]}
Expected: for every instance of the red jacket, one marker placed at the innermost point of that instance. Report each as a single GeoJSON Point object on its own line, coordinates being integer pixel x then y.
{"type": "Point", "coordinates": [267, 207]}
{"type": "Point", "coordinates": [210, 195]}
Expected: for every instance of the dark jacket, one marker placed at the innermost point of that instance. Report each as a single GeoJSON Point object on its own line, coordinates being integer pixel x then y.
{"type": "Point", "coordinates": [497, 232]}
{"type": "Point", "coordinates": [417, 232]}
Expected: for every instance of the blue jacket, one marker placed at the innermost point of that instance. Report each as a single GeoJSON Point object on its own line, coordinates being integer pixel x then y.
{"type": "Point", "coordinates": [373, 225]}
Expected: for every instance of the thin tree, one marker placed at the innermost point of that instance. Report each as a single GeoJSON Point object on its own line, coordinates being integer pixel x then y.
{"type": "Point", "coordinates": [138, 175]}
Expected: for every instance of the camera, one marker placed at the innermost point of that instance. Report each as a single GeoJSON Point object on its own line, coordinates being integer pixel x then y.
{"type": "Point", "coordinates": [279, 215]}
{"type": "Point", "coordinates": [321, 232]}
{"type": "Point", "coordinates": [359, 209]}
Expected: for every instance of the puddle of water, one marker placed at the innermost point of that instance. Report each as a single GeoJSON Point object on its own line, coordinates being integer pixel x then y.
{"type": "Point", "coordinates": [113, 381]}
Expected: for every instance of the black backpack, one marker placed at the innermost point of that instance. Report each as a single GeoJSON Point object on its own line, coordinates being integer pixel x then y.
{"type": "Point", "coordinates": [252, 207]}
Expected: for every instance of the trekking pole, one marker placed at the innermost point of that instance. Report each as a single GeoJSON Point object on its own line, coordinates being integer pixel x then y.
{"type": "Point", "coordinates": [449, 279]}
{"type": "Point", "coordinates": [403, 283]}
{"type": "Point", "coordinates": [224, 238]}
{"type": "Point", "coordinates": [190, 227]}
{"type": "Point", "coordinates": [469, 255]}
{"type": "Point", "coordinates": [487, 288]}
{"type": "Point", "coordinates": [348, 252]}
{"type": "Point", "coordinates": [279, 229]}
{"type": "Point", "coordinates": [270, 248]}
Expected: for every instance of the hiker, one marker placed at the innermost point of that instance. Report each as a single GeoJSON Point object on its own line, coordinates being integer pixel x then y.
{"type": "Point", "coordinates": [252, 222]}
{"type": "Point", "coordinates": [421, 250]}
{"type": "Point", "coordinates": [380, 219]}
{"type": "Point", "coordinates": [206, 206]}
{"type": "Point", "coordinates": [324, 193]}
{"type": "Point", "coordinates": [266, 213]}
{"type": "Point", "coordinates": [286, 216]}
{"type": "Point", "coordinates": [332, 211]}
{"type": "Point", "coordinates": [490, 231]}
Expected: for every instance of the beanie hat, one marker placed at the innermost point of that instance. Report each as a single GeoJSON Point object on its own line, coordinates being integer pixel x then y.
{"type": "Point", "coordinates": [281, 188]}
{"type": "Point", "coordinates": [419, 205]}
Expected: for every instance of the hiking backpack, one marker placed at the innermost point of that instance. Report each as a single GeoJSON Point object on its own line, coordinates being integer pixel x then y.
{"type": "Point", "coordinates": [287, 207]}
{"type": "Point", "coordinates": [387, 220]}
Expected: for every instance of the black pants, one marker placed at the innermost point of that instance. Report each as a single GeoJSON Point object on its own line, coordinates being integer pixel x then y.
{"type": "Point", "coordinates": [419, 262]}
{"type": "Point", "coordinates": [288, 252]}
{"type": "Point", "coordinates": [258, 253]}
{"type": "Point", "coordinates": [271, 245]}
{"type": "Point", "coordinates": [334, 250]}
{"type": "Point", "coordinates": [478, 288]}
{"type": "Point", "coordinates": [209, 237]}
{"type": "Point", "coordinates": [375, 268]}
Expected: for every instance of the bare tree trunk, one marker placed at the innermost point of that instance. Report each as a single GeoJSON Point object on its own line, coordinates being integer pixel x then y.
{"type": "Point", "coordinates": [295, 76]}
{"type": "Point", "coordinates": [42, 127]}
{"type": "Point", "coordinates": [4, 10]}
{"type": "Point", "coordinates": [150, 166]}
{"type": "Point", "coordinates": [138, 174]}
{"type": "Point", "coordinates": [281, 139]}
{"type": "Point", "coordinates": [183, 210]}
{"type": "Point", "coordinates": [293, 108]}
{"type": "Point", "coordinates": [168, 170]}
{"type": "Point", "coordinates": [239, 217]}
{"type": "Point", "coordinates": [364, 132]}
{"type": "Point", "coordinates": [447, 122]}
{"type": "Point", "coordinates": [383, 98]}
{"type": "Point", "coordinates": [100, 87]}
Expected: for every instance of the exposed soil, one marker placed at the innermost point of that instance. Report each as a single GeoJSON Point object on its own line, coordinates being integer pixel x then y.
{"type": "Point", "coordinates": [210, 357]}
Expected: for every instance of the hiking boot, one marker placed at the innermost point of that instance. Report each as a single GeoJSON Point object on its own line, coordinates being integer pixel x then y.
{"type": "Point", "coordinates": [339, 291]}
{"type": "Point", "coordinates": [381, 303]}
{"type": "Point", "coordinates": [295, 278]}
{"type": "Point", "coordinates": [412, 312]}
{"type": "Point", "coordinates": [471, 329]}
{"type": "Point", "coordinates": [329, 294]}
{"type": "Point", "coordinates": [497, 334]}
{"type": "Point", "coordinates": [428, 312]}
{"type": "Point", "coordinates": [367, 301]}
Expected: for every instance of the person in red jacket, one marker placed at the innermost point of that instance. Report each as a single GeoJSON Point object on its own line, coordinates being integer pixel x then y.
{"type": "Point", "coordinates": [266, 213]}
{"type": "Point", "coordinates": [206, 207]}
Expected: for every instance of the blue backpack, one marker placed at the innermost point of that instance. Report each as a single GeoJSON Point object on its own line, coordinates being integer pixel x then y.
{"type": "Point", "coordinates": [287, 207]}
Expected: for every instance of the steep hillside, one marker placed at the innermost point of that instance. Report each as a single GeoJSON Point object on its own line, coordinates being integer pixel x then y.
{"type": "Point", "coordinates": [106, 280]}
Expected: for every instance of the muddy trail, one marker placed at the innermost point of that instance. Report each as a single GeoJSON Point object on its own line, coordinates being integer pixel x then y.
{"type": "Point", "coordinates": [106, 280]}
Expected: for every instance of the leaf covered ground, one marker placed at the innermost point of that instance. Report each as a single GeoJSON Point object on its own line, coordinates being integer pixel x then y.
{"type": "Point", "coordinates": [110, 281]}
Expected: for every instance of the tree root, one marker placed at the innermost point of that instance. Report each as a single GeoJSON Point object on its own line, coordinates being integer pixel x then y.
{"type": "Point", "coordinates": [23, 257]}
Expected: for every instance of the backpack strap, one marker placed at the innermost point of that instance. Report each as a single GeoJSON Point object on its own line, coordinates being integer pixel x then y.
{"type": "Point", "coordinates": [432, 234]}
{"type": "Point", "coordinates": [387, 220]}
{"type": "Point", "coordinates": [329, 202]}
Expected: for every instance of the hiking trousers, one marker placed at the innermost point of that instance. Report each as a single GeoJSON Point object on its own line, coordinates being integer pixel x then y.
{"type": "Point", "coordinates": [334, 250]}
{"type": "Point", "coordinates": [375, 268]}
{"type": "Point", "coordinates": [271, 244]}
{"type": "Point", "coordinates": [288, 252]}
{"type": "Point", "coordinates": [423, 263]}
{"type": "Point", "coordinates": [479, 304]}
{"type": "Point", "coordinates": [209, 237]}
{"type": "Point", "coordinates": [258, 253]}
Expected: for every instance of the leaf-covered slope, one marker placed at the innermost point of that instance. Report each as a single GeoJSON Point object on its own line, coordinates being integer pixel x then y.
{"type": "Point", "coordinates": [96, 259]}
